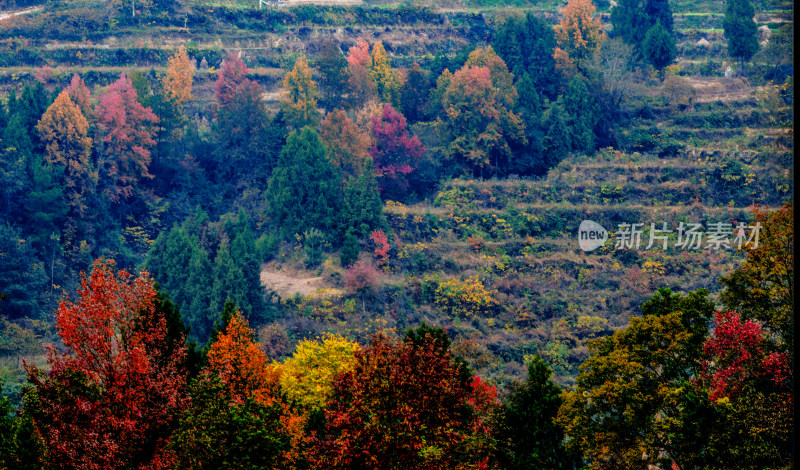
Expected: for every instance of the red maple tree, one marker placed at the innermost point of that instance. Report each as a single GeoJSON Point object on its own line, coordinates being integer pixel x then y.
{"type": "Point", "coordinates": [127, 128]}
{"type": "Point", "coordinates": [405, 404]}
{"type": "Point", "coordinates": [394, 151]}
{"type": "Point", "coordinates": [111, 399]}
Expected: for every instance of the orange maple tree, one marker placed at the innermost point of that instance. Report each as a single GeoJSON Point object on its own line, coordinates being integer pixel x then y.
{"type": "Point", "coordinates": [178, 81]}
{"type": "Point", "coordinates": [578, 34]}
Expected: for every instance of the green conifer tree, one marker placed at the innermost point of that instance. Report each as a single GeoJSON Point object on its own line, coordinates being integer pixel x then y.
{"type": "Point", "coordinates": [659, 46]}
{"type": "Point", "coordinates": [740, 30]}
{"type": "Point", "coordinates": [581, 115]}
{"type": "Point", "coordinates": [304, 189]}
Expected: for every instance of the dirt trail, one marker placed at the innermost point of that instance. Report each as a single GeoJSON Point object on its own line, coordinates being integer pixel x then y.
{"type": "Point", "coordinates": [8, 14]}
{"type": "Point", "coordinates": [287, 283]}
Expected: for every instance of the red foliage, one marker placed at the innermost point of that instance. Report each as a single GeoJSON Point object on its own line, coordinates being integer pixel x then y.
{"type": "Point", "coordinates": [737, 356]}
{"type": "Point", "coordinates": [80, 95]}
{"type": "Point", "coordinates": [394, 152]}
{"type": "Point", "coordinates": [128, 129]}
{"type": "Point", "coordinates": [381, 246]}
{"type": "Point", "coordinates": [403, 405]}
{"type": "Point", "coordinates": [358, 55]}
{"type": "Point", "coordinates": [111, 400]}
{"type": "Point", "coordinates": [230, 77]}
{"type": "Point", "coordinates": [361, 276]}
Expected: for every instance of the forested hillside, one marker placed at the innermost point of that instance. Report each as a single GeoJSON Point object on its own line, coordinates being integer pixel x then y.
{"type": "Point", "coordinates": [354, 234]}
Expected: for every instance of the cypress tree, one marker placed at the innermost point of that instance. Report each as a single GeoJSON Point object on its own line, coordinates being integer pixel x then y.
{"type": "Point", "coordinates": [362, 209]}
{"type": "Point", "coordinates": [581, 115]}
{"type": "Point", "coordinates": [659, 46]}
{"type": "Point", "coordinates": [659, 10]}
{"type": "Point", "coordinates": [740, 30]}
{"type": "Point", "coordinates": [557, 138]}
{"type": "Point", "coordinates": [528, 435]}
{"type": "Point", "coordinates": [304, 189]}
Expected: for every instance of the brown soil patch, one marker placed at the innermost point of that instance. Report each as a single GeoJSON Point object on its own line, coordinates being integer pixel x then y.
{"type": "Point", "coordinates": [288, 283]}
{"type": "Point", "coordinates": [725, 89]}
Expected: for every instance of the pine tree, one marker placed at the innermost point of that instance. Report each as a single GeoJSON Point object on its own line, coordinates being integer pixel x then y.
{"type": "Point", "coordinates": [557, 138]}
{"type": "Point", "coordinates": [527, 433]}
{"type": "Point", "coordinates": [630, 21]}
{"type": "Point", "coordinates": [414, 93]}
{"type": "Point", "coordinates": [332, 67]}
{"type": "Point", "coordinates": [581, 115]}
{"type": "Point", "coordinates": [740, 30]}
{"type": "Point", "coordinates": [362, 211]}
{"type": "Point", "coordinates": [659, 10]}
{"type": "Point", "coordinates": [15, 154]}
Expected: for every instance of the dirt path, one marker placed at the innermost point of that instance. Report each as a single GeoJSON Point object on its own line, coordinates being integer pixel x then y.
{"type": "Point", "coordinates": [8, 14]}
{"type": "Point", "coordinates": [287, 284]}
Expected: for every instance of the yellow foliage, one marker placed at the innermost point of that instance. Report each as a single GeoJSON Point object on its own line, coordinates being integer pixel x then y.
{"type": "Point", "coordinates": [382, 74]}
{"type": "Point", "coordinates": [579, 33]}
{"type": "Point", "coordinates": [299, 101]}
{"type": "Point", "coordinates": [307, 375]}
{"type": "Point", "coordinates": [465, 298]}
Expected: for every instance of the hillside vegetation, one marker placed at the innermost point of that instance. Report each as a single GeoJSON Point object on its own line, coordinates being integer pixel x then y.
{"type": "Point", "coordinates": [343, 208]}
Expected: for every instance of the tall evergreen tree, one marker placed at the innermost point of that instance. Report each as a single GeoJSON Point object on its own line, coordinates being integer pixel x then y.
{"type": "Point", "coordinates": [581, 115]}
{"type": "Point", "coordinates": [527, 434]}
{"type": "Point", "coordinates": [740, 30]}
{"type": "Point", "coordinates": [659, 10]}
{"type": "Point", "coordinates": [659, 46]}
{"type": "Point", "coordinates": [414, 93]}
{"type": "Point", "coordinates": [362, 210]}
{"type": "Point", "coordinates": [304, 189]}
{"type": "Point", "coordinates": [15, 154]}
{"type": "Point", "coordinates": [332, 67]}
{"type": "Point", "coordinates": [557, 138]}
{"type": "Point", "coordinates": [527, 47]}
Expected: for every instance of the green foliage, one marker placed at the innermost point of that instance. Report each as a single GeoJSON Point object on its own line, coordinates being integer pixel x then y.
{"type": "Point", "coordinates": [217, 432]}
{"type": "Point", "coordinates": [632, 396]}
{"type": "Point", "coordinates": [362, 208]}
{"type": "Point", "coordinates": [304, 189]}
{"type": "Point", "coordinates": [526, 45]}
{"type": "Point", "coordinates": [7, 427]}
{"type": "Point", "coordinates": [740, 30]}
{"type": "Point", "coordinates": [199, 286]}
{"type": "Point", "coordinates": [267, 246]}
{"type": "Point", "coordinates": [22, 276]}
{"type": "Point", "coordinates": [527, 434]}
{"type": "Point", "coordinates": [659, 46]}
{"type": "Point", "coordinates": [350, 248]}
{"type": "Point", "coordinates": [633, 19]}
{"type": "Point", "coordinates": [314, 244]}
{"type": "Point", "coordinates": [581, 116]}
